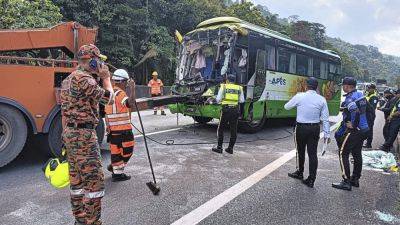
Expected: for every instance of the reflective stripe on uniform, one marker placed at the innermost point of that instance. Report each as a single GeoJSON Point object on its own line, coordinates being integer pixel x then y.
{"type": "Point", "coordinates": [123, 122]}
{"type": "Point", "coordinates": [77, 192]}
{"type": "Point", "coordinates": [124, 100]}
{"type": "Point", "coordinates": [97, 194]}
{"type": "Point", "coordinates": [117, 115]}
{"type": "Point", "coordinates": [340, 156]}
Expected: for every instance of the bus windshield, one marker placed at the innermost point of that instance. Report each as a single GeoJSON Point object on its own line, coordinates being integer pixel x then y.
{"type": "Point", "coordinates": [205, 55]}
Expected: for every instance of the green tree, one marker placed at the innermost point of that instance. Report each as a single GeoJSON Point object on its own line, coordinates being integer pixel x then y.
{"type": "Point", "coordinates": [16, 14]}
{"type": "Point", "coordinates": [248, 12]}
{"type": "Point", "coordinates": [312, 34]}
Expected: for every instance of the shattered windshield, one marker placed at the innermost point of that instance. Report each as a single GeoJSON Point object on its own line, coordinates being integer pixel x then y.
{"type": "Point", "coordinates": [205, 55]}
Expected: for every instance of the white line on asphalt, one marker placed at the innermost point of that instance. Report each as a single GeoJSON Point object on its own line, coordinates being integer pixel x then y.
{"type": "Point", "coordinates": [211, 206]}
{"type": "Point", "coordinates": [158, 132]}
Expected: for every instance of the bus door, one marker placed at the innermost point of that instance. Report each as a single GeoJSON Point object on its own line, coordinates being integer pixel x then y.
{"type": "Point", "coordinates": [264, 60]}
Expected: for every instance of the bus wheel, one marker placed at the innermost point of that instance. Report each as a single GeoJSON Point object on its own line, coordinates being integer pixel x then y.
{"type": "Point", "coordinates": [13, 133]}
{"type": "Point", "coordinates": [252, 126]}
{"type": "Point", "coordinates": [201, 119]}
{"type": "Point", "coordinates": [54, 135]}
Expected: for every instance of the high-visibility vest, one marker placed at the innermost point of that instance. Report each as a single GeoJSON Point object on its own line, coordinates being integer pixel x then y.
{"type": "Point", "coordinates": [155, 86]}
{"type": "Point", "coordinates": [368, 97]}
{"type": "Point", "coordinates": [118, 115]}
{"type": "Point", "coordinates": [395, 107]}
{"type": "Point", "coordinates": [231, 94]}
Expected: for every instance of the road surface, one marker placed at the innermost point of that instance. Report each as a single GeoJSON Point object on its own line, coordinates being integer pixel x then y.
{"type": "Point", "coordinates": [198, 186]}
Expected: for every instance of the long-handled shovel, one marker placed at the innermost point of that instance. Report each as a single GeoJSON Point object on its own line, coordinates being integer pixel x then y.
{"type": "Point", "coordinates": [151, 185]}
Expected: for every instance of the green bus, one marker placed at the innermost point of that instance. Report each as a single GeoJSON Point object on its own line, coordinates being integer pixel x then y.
{"type": "Point", "coordinates": [270, 66]}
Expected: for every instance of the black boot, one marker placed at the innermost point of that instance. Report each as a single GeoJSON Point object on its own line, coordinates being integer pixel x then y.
{"type": "Point", "coordinates": [229, 150]}
{"type": "Point", "coordinates": [343, 185]}
{"type": "Point", "coordinates": [296, 175]}
{"type": "Point", "coordinates": [309, 182]}
{"type": "Point", "coordinates": [155, 112]}
{"type": "Point", "coordinates": [120, 177]}
{"type": "Point", "coordinates": [354, 182]}
{"type": "Point", "coordinates": [163, 113]}
{"type": "Point", "coordinates": [217, 149]}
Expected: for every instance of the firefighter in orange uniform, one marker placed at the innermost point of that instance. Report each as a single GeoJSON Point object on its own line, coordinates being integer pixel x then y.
{"type": "Point", "coordinates": [119, 128]}
{"type": "Point", "coordinates": [156, 86]}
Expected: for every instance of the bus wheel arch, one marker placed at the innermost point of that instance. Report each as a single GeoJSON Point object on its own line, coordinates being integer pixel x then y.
{"type": "Point", "coordinates": [252, 127]}
{"type": "Point", "coordinates": [13, 133]}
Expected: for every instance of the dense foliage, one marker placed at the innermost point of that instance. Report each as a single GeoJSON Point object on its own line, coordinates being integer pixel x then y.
{"type": "Point", "coordinates": [28, 14]}
{"type": "Point", "coordinates": [131, 28]}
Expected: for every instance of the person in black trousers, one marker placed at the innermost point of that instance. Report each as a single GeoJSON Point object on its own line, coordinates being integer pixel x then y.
{"type": "Point", "coordinates": [230, 95]}
{"type": "Point", "coordinates": [372, 98]}
{"type": "Point", "coordinates": [394, 125]}
{"type": "Point", "coordinates": [387, 109]}
{"type": "Point", "coordinates": [311, 110]}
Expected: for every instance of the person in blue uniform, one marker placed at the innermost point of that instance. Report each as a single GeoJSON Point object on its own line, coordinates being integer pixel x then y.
{"type": "Point", "coordinates": [351, 134]}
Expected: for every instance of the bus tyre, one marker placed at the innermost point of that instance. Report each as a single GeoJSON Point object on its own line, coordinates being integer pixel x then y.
{"type": "Point", "coordinates": [201, 119]}
{"type": "Point", "coordinates": [13, 133]}
{"type": "Point", "coordinates": [54, 135]}
{"type": "Point", "coordinates": [251, 127]}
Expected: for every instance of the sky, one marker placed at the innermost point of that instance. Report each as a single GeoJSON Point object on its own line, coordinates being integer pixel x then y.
{"type": "Point", "coordinates": [368, 22]}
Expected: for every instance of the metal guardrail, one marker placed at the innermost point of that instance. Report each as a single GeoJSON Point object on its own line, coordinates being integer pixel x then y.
{"type": "Point", "coordinates": [143, 91]}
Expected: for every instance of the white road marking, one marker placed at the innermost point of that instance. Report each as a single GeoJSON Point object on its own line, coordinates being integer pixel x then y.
{"type": "Point", "coordinates": [211, 206]}
{"type": "Point", "coordinates": [157, 132]}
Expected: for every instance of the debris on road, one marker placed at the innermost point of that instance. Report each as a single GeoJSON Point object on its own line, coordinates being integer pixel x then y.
{"type": "Point", "coordinates": [385, 217]}
{"type": "Point", "coordinates": [378, 159]}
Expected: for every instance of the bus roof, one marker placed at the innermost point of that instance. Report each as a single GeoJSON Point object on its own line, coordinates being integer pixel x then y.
{"type": "Point", "coordinates": [224, 21]}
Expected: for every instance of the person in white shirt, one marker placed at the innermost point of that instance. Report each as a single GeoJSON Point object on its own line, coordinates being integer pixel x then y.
{"type": "Point", "coordinates": [311, 110]}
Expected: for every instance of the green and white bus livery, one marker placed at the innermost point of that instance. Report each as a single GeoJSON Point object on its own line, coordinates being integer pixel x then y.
{"type": "Point", "coordinates": [270, 66]}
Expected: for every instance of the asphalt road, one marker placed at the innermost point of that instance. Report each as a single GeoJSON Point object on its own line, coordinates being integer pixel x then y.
{"type": "Point", "coordinates": [191, 175]}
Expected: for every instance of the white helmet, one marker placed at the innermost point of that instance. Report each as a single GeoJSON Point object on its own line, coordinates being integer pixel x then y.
{"type": "Point", "coordinates": [120, 75]}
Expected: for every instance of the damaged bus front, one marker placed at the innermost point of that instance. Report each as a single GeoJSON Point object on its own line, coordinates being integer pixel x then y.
{"type": "Point", "coordinates": [264, 63]}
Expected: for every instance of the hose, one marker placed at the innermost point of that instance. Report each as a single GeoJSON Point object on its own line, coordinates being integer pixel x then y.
{"type": "Point", "coordinates": [171, 142]}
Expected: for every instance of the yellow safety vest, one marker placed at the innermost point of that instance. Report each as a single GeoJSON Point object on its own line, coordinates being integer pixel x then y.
{"type": "Point", "coordinates": [370, 96]}
{"type": "Point", "coordinates": [231, 94]}
{"type": "Point", "coordinates": [395, 107]}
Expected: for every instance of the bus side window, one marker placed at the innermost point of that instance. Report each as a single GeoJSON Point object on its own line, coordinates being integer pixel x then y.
{"type": "Point", "coordinates": [317, 68]}
{"type": "Point", "coordinates": [270, 57]}
{"type": "Point", "coordinates": [324, 70]}
{"type": "Point", "coordinates": [302, 65]}
{"type": "Point", "coordinates": [286, 61]}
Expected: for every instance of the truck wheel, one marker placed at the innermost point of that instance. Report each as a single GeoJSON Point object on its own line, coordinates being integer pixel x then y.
{"type": "Point", "coordinates": [13, 133]}
{"type": "Point", "coordinates": [201, 119]}
{"type": "Point", "coordinates": [54, 135]}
